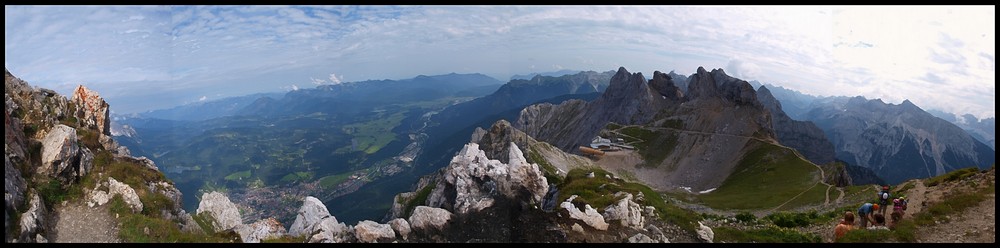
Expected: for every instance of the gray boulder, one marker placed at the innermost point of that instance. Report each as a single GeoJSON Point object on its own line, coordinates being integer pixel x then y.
{"type": "Point", "coordinates": [428, 218]}
{"type": "Point", "coordinates": [314, 221]}
{"type": "Point", "coordinates": [264, 229]}
{"type": "Point", "coordinates": [641, 238]}
{"type": "Point", "coordinates": [128, 194]}
{"type": "Point", "coordinates": [224, 213]}
{"type": "Point", "coordinates": [60, 154]}
{"type": "Point", "coordinates": [589, 216]}
{"type": "Point", "coordinates": [371, 232]}
{"type": "Point", "coordinates": [705, 233]}
{"type": "Point", "coordinates": [401, 226]}
{"type": "Point", "coordinates": [627, 211]}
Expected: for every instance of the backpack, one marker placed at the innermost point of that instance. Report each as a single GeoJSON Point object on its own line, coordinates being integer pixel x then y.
{"type": "Point", "coordinates": [884, 196]}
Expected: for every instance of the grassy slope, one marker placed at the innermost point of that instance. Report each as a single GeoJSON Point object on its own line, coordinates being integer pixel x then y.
{"type": "Point", "coordinates": [599, 193]}
{"type": "Point", "coordinates": [767, 177]}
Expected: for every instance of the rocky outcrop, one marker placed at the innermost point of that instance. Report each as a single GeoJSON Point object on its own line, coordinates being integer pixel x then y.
{"type": "Point", "coordinates": [315, 222]}
{"type": "Point", "coordinates": [718, 120]}
{"type": "Point", "coordinates": [497, 139]}
{"type": "Point", "coordinates": [429, 219]}
{"type": "Point", "coordinates": [664, 85]}
{"type": "Point", "coordinates": [43, 108]}
{"type": "Point", "coordinates": [371, 232]}
{"type": "Point", "coordinates": [473, 179]}
{"type": "Point", "coordinates": [803, 136]}
{"type": "Point", "coordinates": [264, 229]}
{"type": "Point", "coordinates": [626, 211]}
{"type": "Point", "coordinates": [34, 221]}
{"type": "Point", "coordinates": [589, 216]}
{"type": "Point", "coordinates": [91, 110]}
{"type": "Point", "coordinates": [401, 226]}
{"type": "Point", "coordinates": [60, 154]}
{"type": "Point", "coordinates": [224, 213]}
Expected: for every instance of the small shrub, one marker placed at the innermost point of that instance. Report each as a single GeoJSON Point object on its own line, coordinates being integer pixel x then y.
{"type": "Point", "coordinates": [746, 217]}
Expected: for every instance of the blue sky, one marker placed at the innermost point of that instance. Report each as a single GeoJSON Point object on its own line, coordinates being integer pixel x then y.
{"type": "Point", "coordinates": [148, 57]}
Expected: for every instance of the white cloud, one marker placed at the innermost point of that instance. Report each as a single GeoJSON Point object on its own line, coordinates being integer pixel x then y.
{"type": "Point", "coordinates": [881, 52]}
{"type": "Point", "coordinates": [202, 99]}
{"type": "Point", "coordinates": [334, 79]}
{"type": "Point", "coordinates": [317, 81]}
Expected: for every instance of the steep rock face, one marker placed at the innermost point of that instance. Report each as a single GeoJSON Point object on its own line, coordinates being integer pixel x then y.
{"type": "Point", "coordinates": [898, 142]}
{"type": "Point", "coordinates": [803, 136]}
{"type": "Point", "coordinates": [14, 187]}
{"type": "Point", "coordinates": [34, 221]}
{"type": "Point", "coordinates": [91, 110]}
{"type": "Point", "coordinates": [13, 133]}
{"type": "Point", "coordinates": [680, 80]}
{"type": "Point", "coordinates": [664, 84]}
{"type": "Point", "coordinates": [628, 100]}
{"type": "Point", "coordinates": [472, 180]}
{"type": "Point", "coordinates": [718, 119]}
{"type": "Point", "coordinates": [60, 154]}
{"type": "Point", "coordinates": [224, 213]}
{"type": "Point", "coordinates": [314, 221]}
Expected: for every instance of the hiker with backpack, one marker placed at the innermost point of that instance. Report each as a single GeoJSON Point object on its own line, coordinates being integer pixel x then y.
{"type": "Point", "coordinates": [866, 214]}
{"type": "Point", "coordinates": [883, 198]}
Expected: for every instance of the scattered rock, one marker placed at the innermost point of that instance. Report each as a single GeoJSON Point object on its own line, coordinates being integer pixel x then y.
{"type": "Point", "coordinates": [650, 211]}
{"type": "Point", "coordinates": [401, 226]}
{"type": "Point", "coordinates": [590, 216]}
{"type": "Point", "coordinates": [641, 238]}
{"type": "Point", "coordinates": [590, 175]}
{"type": "Point", "coordinates": [371, 232]}
{"type": "Point", "coordinates": [224, 213]}
{"type": "Point", "coordinates": [657, 234]}
{"type": "Point", "coordinates": [577, 228]}
{"type": "Point", "coordinates": [128, 194]}
{"type": "Point", "coordinates": [98, 198]}
{"type": "Point", "coordinates": [705, 233]}
{"type": "Point", "coordinates": [268, 228]}
{"type": "Point", "coordinates": [625, 210]}
{"type": "Point", "coordinates": [428, 218]}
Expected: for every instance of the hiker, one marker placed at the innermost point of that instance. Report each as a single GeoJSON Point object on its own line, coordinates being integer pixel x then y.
{"type": "Point", "coordinates": [879, 223]}
{"type": "Point", "coordinates": [846, 225]}
{"type": "Point", "coordinates": [865, 214]}
{"type": "Point", "coordinates": [883, 198]}
{"type": "Point", "coordinates": [898, 209]}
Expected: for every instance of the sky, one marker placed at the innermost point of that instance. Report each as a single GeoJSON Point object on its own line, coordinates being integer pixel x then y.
{"type": "Point", "coordinates": [149, 57]}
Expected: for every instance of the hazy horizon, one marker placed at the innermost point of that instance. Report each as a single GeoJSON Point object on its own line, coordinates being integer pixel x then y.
{"type": "Point", "coordinates": [151, 57]}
